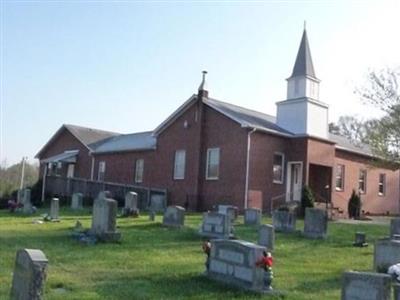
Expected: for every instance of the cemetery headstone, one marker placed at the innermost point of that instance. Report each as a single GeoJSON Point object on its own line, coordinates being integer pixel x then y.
{"type": "Point", "coordinates": [266, 236]}
{"type": "Point", "coordinates": [152, 215]}
{"type": "Point", "coordinates": [315, 223]}
{"type": "Point", "coordinates": [104, 221]}
{"type": "Point", "coordinates": [216, 225]}
{"type": "Point", "coordinates": [27, 208]}
{"type": "Point", "coordinates": [54, 209]}
{"type": "Point", "coordinates": [104, 195]}
{"type": "Point", "coordinates": [77, 201]}
{"type": "Point", "coordinates": [394, 226]}
{"type": "Point", "coordinates": [131, 202]}
{"type": "Point", "coordinates": [235, 262]}
{"type": "Point", "coordinates": [359, 240]}
{"type": "Point", "coordinates": [158, 202]}
{"type": "Point", "coordinates": [365, 286]}
{"type": "Point", "coordinates": [29, 275]}
{"type": "Point", "coordinates": [20, 196]}
{"type": "Point", "coordinates": [174, 216]}
{"type": "Point", "coordinates": [252, 216]}
{"type": "Point", "coordinates": [229, 210]}
{"type": "Point", "coordinates": [386, 253]}
{"type": "Point", "coordinates": [284, 221]}
{"type": "Point", "coordinates": [396, 291]}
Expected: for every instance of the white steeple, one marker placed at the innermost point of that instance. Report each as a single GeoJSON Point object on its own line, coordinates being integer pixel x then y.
{"type": "Point", "coordinates": [302, 112]}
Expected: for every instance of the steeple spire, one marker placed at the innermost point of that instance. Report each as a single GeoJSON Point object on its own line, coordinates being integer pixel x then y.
{"type": "Point", "coordinates": [304, 65]}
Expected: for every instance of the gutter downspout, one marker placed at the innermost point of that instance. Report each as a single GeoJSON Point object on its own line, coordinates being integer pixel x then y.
{"type": "Point", "coordinates": [44, 182]}
{"type": "Point", "coordinates": [92, 168]}
{"type": "Point", "coordinates": [246, 189]}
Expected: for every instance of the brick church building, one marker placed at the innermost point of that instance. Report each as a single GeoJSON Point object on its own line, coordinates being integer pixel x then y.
{"type": "Point", "coordinates": [209, 152]}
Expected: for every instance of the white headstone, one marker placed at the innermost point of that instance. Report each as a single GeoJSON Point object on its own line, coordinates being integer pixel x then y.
{"type": "Point", "coordinates": [54, 208]}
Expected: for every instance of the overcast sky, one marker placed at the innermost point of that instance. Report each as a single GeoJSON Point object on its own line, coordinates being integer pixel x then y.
{"type": "Point", "coordinates": [124, 66]}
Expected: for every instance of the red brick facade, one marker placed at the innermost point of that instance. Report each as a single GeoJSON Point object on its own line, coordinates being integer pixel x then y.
{"type": "Point", "coordinates": [200, 127]}
{"type": "Point", "coordinates": [66, 141]}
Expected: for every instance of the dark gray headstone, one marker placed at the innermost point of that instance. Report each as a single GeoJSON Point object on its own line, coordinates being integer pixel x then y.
{"type": "Point", "coordinates": [54, 208]}
{"type": "Point", "coordinates": [158, 203]}
{"type": "Point", "coordinates": [284, 221]}
{"type": "Point", "coordinates": [365, 286]}
{"type": "Point", "coordinates": [315, 223]}
{"type": "Point", "coordinates": [252, 216]}
{"type": "Point", "coordinates": [234, 262]}
{"type": "Point", "coordinates": [394, 227]}
{"type": "Point", "coordinates": [396, 291]}
{"type": "Point", "coordinates": [29, 275]}
{"type": "Point", "coordinates": [266, 236]}
{"type": "Point", "coordinates": [216, 225]}
{"type": "Point", "coordinates": [386, 254]}
{"type": "Point", "coordinates": [228, 210]}
{"type": "Point", "coordinates": [20, 196]}
{"type": "Point", "coordinates": [360, 240]}
{"type": "Point", "coordinates": [77, 201]}
{"type": "Point", "coordinates": [174, 216]}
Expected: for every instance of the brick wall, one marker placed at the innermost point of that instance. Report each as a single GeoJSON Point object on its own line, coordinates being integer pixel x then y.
{"type": "Point", "coordinates": [372, 202]}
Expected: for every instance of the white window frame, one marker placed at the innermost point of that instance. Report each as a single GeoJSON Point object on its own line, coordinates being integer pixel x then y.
{"type": "Point", "coordinates": [365, 181]}
{"type": "Point", "coordinates": [209, 150]}
{"type": "Point", "coordinates": [139, 179]}
{"type": "Point", "coordinates": [340, 188]}
{"type": "Point", "coordinates": [383, 184]}
{"type": "Point", "coordinates": [282, 166]}
{"type": "Point", "coordinates": [179, 174]}
{"type": "Point", "coordinates": [101, 170]}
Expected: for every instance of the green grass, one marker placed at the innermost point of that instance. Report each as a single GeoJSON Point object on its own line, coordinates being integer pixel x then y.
{"type": "Point", "coordinates": [154, 262]}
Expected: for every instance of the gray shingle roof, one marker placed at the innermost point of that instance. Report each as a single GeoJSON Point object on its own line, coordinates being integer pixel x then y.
{"type": "Point", "coordinates": [344, 143]}
{"type": "Point", "coordinates": [246, 117]}
{"type": "Point", "coordinates": [304, 64]}
{"type": "Point", "coordinates": [89, 136]}
{"type": "Point", "coordinates": [126, 142]}
{"type": "Point", "coordinates": [67, 156]}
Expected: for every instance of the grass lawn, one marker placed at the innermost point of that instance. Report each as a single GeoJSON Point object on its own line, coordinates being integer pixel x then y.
{"type": "Point", "coordinates": [154, 262]}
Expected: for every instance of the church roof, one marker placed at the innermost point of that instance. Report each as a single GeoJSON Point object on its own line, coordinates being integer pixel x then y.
{"type": "Point", "coordinates": [127, 142]}
{"type": "Point", "coordinates": [304, 65]}
{"type": "Point", "coordinates": [247, 117]}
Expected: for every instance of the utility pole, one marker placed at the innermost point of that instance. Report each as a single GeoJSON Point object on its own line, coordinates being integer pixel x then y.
{"type": "Point", "coordinates": [24, 158]}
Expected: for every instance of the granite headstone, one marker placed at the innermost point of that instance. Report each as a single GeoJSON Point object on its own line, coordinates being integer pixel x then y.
{"type": "Point", "coordinates": [29, 275]}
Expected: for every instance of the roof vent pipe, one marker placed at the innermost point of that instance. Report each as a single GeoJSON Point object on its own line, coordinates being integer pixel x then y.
{"type": "Point", "coordinates": [203, 92]}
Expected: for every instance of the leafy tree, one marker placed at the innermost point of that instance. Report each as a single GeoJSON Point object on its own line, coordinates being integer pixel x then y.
{"type": "Point", "coordinates": [382, 89]}
{"type": "Point", "coordinates": [10, 177]}
{"type": "Point", "coordinates": [356, 130]}
{"type": "Point", "coordinates": [354, 206]}
{"type": "Point", "coordinates": [307, 199]}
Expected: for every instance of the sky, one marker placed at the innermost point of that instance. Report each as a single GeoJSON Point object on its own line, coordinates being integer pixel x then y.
{"type": "Point", "coordinates": [125, 66]}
